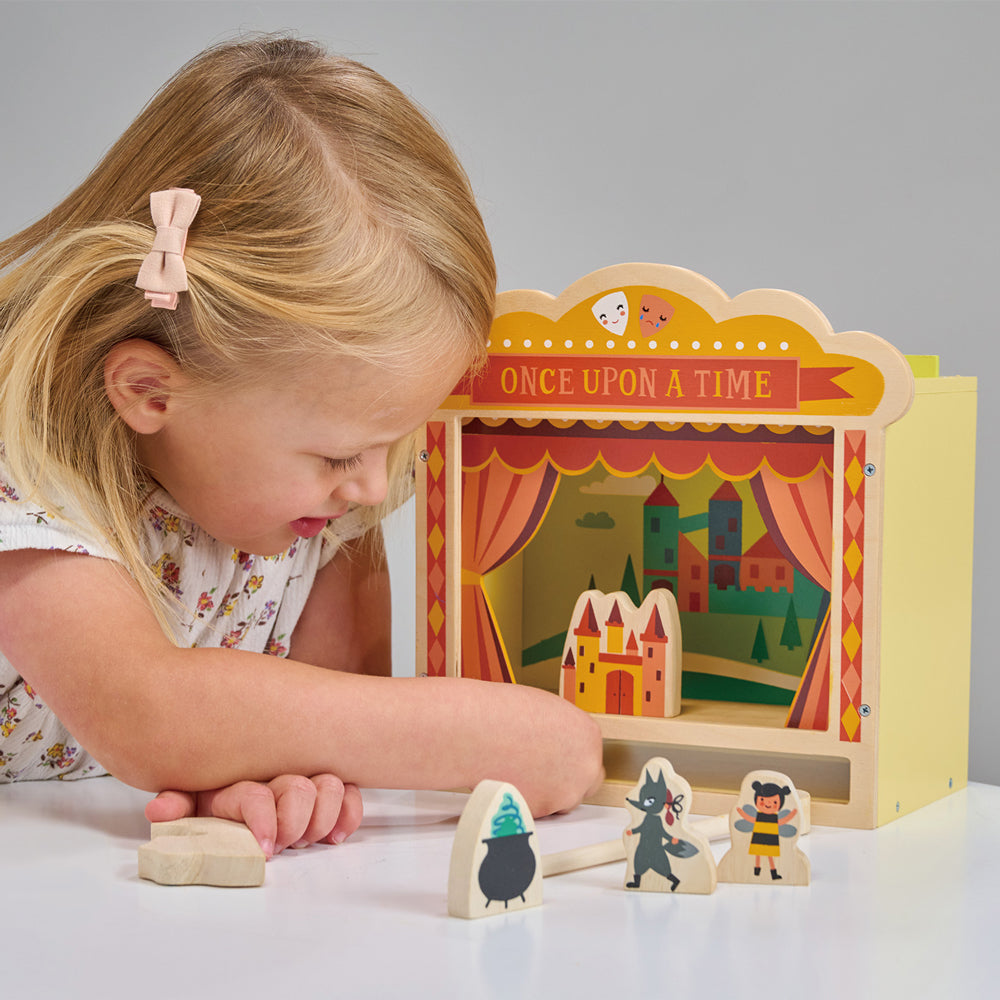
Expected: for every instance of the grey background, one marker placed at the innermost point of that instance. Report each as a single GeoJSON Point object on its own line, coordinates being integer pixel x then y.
{"type": "Point", "coordinates": [845, 151]}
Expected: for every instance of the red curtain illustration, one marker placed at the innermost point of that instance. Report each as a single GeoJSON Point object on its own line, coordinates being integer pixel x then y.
{"type": "Point", "coordinates": [501, 510]}
{"type": "Point", "coordinates": [799, 516]}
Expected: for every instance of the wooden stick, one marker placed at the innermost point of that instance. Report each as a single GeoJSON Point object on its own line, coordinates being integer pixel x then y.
{"type": "Point", "coordinates": [583, 857]}
{"type": "Point", "coordinates": [593, 855]}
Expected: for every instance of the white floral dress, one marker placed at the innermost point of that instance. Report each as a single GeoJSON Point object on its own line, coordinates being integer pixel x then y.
{"type": "Point", "coordinates": [233, 600]}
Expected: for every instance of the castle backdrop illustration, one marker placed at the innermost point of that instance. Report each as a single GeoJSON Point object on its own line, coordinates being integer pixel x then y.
{"type": "Point", "coordinates": [749, 617]}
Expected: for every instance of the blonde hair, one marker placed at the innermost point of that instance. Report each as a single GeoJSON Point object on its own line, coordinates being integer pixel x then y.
{"type": "Point", "coordinates": [334, 217]}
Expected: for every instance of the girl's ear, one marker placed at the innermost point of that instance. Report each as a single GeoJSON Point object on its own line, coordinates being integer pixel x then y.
{"type": "Point", "coordinates": [140, 380]}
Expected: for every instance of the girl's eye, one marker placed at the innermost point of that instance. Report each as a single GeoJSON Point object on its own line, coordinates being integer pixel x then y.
{"type": "Point", "coordinates": [344, 464]}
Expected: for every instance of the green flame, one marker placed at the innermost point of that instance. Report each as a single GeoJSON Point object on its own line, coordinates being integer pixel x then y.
{"type": "Point", "coordinates": [507, 820]}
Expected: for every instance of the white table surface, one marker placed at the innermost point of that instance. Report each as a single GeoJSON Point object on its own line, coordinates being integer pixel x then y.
{"type": "Point", "coordinates": [910, 910]}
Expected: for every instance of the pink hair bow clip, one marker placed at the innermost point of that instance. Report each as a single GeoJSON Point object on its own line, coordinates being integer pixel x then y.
{"type": "Point", "coordinates": [163, 274]}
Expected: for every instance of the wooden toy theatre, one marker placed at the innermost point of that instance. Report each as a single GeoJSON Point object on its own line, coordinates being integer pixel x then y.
{"type": "Point", "coordinates": [741, 539]}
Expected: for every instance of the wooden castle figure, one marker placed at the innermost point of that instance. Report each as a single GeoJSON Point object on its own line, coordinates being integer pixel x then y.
{"type": "Point", "coordinates": [604, 672]}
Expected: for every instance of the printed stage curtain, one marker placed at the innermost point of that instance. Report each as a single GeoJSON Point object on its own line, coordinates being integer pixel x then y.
{"type": "Point", "coordinates": [501, 511]}
{"type": "Point", "coordinates": [799, 516]}
{"type": "Point", "coordinates": [511, 469]}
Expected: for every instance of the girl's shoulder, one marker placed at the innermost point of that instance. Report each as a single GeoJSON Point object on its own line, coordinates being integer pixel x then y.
{"type": "Point", "coordinates": [27, 522]}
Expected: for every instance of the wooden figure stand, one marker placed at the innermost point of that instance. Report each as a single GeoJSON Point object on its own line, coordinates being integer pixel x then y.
{"type": "Point", "coordinates": [663, 853]}
{"type": "Point", "coordinates": [202, 851]}
{"type": "Point", "coordinates": [766, 824]}
{"type": "Point", "coordinates": [495, 861]}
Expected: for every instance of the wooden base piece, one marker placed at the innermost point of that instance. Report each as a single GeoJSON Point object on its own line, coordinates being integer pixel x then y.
{"type": "Point", "coordinates": [202, 851]}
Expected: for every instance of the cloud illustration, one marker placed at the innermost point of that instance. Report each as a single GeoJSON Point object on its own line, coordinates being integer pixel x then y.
{"type": "Point", "coordinates": [602, 519]}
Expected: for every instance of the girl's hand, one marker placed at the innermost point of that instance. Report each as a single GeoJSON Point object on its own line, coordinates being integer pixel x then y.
{"type": "Point", "coordinates": [290, 811]}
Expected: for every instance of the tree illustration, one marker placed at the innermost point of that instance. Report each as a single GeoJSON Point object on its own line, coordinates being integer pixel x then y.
{"type": "Point", "coordinates": [790, 637]}
{"type": "Point", "coordinates": [629, 584]}
{"type": "Point", "coordinates": [759, 652]}
{"type": "Point", "coordinates": [593, 584]}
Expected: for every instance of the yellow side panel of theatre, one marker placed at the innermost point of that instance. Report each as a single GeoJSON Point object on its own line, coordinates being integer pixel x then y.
{"type": "Point", "coordinates": [926, 600]}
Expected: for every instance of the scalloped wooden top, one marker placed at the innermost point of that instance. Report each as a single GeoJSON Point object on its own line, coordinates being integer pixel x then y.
{"type": "Point", "coordinates": [652, 338]}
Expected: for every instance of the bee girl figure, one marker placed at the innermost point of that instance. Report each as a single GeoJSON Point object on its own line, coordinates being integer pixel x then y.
{"type": "Point", "coordinates": [765, 820]}
{"type": "Point", "coordinates": [192, 593]}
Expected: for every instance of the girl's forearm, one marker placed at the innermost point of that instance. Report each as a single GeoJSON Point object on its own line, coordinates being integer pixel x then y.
{"type": "Point", "coordinates": [249, 717]}
{"type": "Point", "coordinates": [159, 716]}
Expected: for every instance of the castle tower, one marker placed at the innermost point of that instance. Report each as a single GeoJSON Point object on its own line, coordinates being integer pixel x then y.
{"type": "Point", "coordinates": [725, 537]}
{"type": "Point", "coordinates": [632, 651]}
{"type": "Point", "coordinates": [660, 536]}
{"type": "Point", "coordinates": [654, 665]}
{"type": "Point", "coordinates": [589, 681]}
{"type": "Point", "coordinates": [567, 684]}
{"type": "Point", "coordinates": [615, 628]}
{"type": "Point", "coordinates": [632, 647]}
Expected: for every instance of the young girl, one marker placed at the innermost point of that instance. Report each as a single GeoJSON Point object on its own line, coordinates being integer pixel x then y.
{"type": "Point", "coordinates": [192, 593]}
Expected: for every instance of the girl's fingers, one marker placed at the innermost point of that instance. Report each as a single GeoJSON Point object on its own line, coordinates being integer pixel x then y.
{"type": "Point", "coordinates": [291, 810]}
{"type": "Point", "coordinates": [245, 802]}
{"type": "Point", "coordinates": [295, 799]}
{"type": "Point", "coordinates": [352, 811]}
{"type": "Point", "coordinates": [329, 798]}
{"type": "Point", "coordinates": [170, 805]}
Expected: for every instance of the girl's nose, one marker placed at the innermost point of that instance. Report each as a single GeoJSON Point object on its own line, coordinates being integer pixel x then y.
{"type": "Point", "coordinates": [367, 484]}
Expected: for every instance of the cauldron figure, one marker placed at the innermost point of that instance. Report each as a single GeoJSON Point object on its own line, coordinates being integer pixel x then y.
{"type": "Point", "coordinates": [507, 869]}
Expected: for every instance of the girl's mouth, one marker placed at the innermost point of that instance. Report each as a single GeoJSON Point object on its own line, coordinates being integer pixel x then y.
{"type": "Point", "coordinates": [308, 527]}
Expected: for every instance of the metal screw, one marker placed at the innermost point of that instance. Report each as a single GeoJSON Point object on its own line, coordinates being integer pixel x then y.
{"type": "Point", "coordinates": [869, 470]}
{"type": "Point", "coordinates": [864, 711]}
{"type": "Point", "coordinates": [424, 456]}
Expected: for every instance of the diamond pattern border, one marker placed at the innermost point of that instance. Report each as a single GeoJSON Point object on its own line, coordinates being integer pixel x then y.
{"type": "Point", "coordinates": [436, 504]}
{"type": "Point", "coordinates": [852, 597]}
